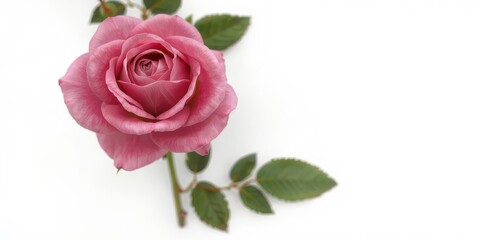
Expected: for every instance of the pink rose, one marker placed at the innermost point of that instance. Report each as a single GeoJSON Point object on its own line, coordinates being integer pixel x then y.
{"type": "Point", "coordinates": [149, 87]}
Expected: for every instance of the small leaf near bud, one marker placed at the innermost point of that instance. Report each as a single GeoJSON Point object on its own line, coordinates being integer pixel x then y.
{"type": "Point", "coordinates": [222, 31]}
{"type": "Point", "coordinates": [210, 205]}
{"type": "Point", "coordinates": [162, 6]}
{"type": "Point", "coordinates": [189, 19]}
{"type": "Point", "coordinates": [196, 162]}
{"type": "Point", "coordinates": [243, 168]}
{"type": "Point", "coordinates": [254, 199]}
{"type": "Point", "coordinates": [107, 9]}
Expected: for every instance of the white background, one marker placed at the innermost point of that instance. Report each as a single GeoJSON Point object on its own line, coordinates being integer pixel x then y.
{"type": "Point", "coordinates": [382, 94]}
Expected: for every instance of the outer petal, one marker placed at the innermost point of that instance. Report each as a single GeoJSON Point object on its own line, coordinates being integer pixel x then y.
{"type": "Point", "coordinates": [130, 151]}
{"type": "Point", "coordinates": [203, 150]}
{"type": "Point", "coordinates": [97, 67]}
{"type": "Point", "coordinates": [166, 25]}
{"type": "Point", "coordinates": [82, 104]}
{"type": "Point", "coordinates": [212, 81]}
{"type": "Point", "coordinates": [219, 56]}
{"type": "Point", "coordinates": [129, 124]}
{"type": "Point", "coordinates": [113, 28]}
{"type": "Point", "coordinates": [194, 137]}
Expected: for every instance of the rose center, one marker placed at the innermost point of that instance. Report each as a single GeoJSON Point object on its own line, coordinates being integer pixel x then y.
{"type": "Point", "coordinates": [150, 65]}
{"type": "Point", "coordinates": [146, 66]}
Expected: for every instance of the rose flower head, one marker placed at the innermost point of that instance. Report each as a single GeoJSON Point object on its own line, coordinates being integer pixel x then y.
{"type": "Point", "coordinates": [147, 88]}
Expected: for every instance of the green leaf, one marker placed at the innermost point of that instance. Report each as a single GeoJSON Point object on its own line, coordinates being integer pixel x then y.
{"type": "Point", "coordinates": [221, 31]}
{"type": "Point", "coordinates": [210, 205]}
{"type": "Point", "coordinates": [243, 168]}
{"type": "Point", "coordinates": [293, 180]}
{"type": "Point", "coordinates": [196, 162]}
{"type": "Point", "coordinates": [189, 19]}
{"type": "Point", "coordinates": [110, 9]}
{"type": "Point", "coordinates": [162, 6]}
{"type": "Point", "coordinates": [254, 199]}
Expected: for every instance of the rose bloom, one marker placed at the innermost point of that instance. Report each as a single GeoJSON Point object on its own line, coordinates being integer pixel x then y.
{"type": "Point", "coordinates": [147, 88]}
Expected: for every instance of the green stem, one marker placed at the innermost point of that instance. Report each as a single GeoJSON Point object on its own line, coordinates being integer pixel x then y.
{"type": "Point", "coordinates": [191, 185]}
{"type": "Point", "coordinates": [181, 214]}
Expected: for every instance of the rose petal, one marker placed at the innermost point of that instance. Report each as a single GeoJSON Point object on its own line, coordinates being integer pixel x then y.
{"type": "Point", "coordinates": [219, 56]}
{"type": "Point", "coordinates": [203, 150]}
{"type": "Point", "coordinates": [82, 104]}
{"type": "Point", "coordinates": [180, 69]}
{"type": "Point", "coordinates": [194, 72]}
{"type": "Point", "coordinates": [130, 152]}
{"type": "Point", "coordinates": [136, 53]}
{"type": "Point", "coordinates": [165, 26]}
{"type": "Point", "coordinates": [149, 63]}
{"type": "Point", "coordinates": [158, 72]}
{"type": "Point", "coordinates": [127, 60]}
{"type": "Point", "coordinates": [156, 97]}
{"type": "Point", "coordinates": [212, 80]}
{"type": "Point", "coordinates": [113, 28]}
{"type": "Point", "coordinates": [127, 102]}
{"type": "Point", "coordinates": [192, 138]}
{"type": "Point", "coordinates": [136, 45]}
{"type": "Point", "coordinates": [97, 66]}
{"type": "Point", "coordinates": [125, 122]}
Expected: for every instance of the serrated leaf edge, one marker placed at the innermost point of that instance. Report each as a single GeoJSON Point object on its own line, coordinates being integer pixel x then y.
{"type": "Point", "coordinates": [250, 172]}
{"type": "Point", "coordinates": [230, 15]}
{"type": "Point", "coordinates": [254, 210]}
{"type": "Point", "coordinates": [302, 161]}
{"type": "Point", "coordinates": [223, 228]}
